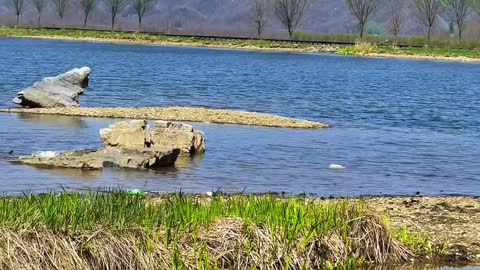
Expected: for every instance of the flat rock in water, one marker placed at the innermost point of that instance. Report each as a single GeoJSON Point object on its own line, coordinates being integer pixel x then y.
{"type": "Point", "coordinates": [140, 158]}
{"type": "Point", "coordinates": [60, 91]}
{"type": "Point", "coordinates": [129, 144]}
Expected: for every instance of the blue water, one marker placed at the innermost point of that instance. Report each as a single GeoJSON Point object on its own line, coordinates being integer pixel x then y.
{"type": "Point", "coordinates": [400, 126]}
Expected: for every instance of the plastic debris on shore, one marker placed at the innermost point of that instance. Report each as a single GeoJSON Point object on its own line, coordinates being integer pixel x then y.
{"type": "Point", "coordinates": [45, 154]}
{"type": "Point", "coordinates": [136, 191]}
{"type": "Point", "coordinates": [336, 167]}
{"type": "Point", "coordinates": [209, 194]}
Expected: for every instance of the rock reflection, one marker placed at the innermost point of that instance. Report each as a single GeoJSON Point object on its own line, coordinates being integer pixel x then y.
{"type": "Point", "coordinates": [53, 120]}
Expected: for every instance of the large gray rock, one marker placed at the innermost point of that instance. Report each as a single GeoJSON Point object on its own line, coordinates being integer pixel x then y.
{"type": "Point", "coordinates": [129, 144]}
{"type": "Point", "coordinates": [60, 91]}
{"type": "Point", "coordinates": [139, 158]}
{"type": "Point", "coordinates": [165, 135]}
{"type": "Point", "coordinates": [171, 135]}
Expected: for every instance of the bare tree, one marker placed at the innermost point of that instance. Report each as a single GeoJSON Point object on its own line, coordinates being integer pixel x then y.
{"type": "Point", "coordinates": [141, 7]}
{"type": "Point", "coordinates": [362, 10]}
{"type": "Point", "coordinates": [18, 8]}
{"type": "Point", "coordinates": [60, 7]}
{"type": "Point", "coordinates": [396, 9]}
{"type": "Point", "coordinates": [39, 6]}
{"type": "Point", "coordinates": [260, 8]}
{"type": "Point", "coordinates": [476, 6]}
{"type": "Point", "coordinates": [459, 11]}
{"type": "Point", "coordinates": [87, 7]}
{"type": "Point", "coordinates": [290, 12]}
{"type": "Point", "coordinates": [116, 6]}
{"type": "Point", "coordinates": [427, 13]}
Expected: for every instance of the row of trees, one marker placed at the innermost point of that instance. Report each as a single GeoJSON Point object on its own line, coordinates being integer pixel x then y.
{"type": "Point", "coordinates": [141, 7]}
{"type": "Point", "coordinates": [290, 12]}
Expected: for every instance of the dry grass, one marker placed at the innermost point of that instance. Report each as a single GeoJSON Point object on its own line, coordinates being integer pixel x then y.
{"type": "Point", "coordinates": [230, 243]}
{"type": "Point", "coordinates": [190, 114]}
{"type": "Point", "coordinates": [122, 231]}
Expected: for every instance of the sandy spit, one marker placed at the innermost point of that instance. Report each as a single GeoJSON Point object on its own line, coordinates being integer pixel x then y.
{"type": "Point", "coordinates": [189, 114]}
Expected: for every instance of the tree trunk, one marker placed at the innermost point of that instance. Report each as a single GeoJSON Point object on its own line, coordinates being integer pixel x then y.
{"type": "Point", "coordinates": [18, 19]}
{"type": "Point", "coordinates": [139, 24]}
{"type": "Point", "coordinates": [290, 32]}
{"type": "Point", "coordinates": [460, 37]}
{"type": "Point", "coordinates": [85, 22]}
{"type": "Point", "coordinates": [395, 40]}
{"type": "Point", "coordinates": [38, 22]}
{"type": "Point", "coordinates": [113, 21]}
{"type": "Point", "coordinates": [429, 32]}
{"type": "Point", "coordinates": [362, 28]}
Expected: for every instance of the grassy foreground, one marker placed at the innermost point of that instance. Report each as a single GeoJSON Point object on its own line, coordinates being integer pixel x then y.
{"type": "Point", "coordinates": [118, 230]}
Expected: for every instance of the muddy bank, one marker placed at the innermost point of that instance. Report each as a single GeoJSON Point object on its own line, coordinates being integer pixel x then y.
{"type": "Point", "coordinates": [189, 114]}
{"type": "Point", "coordinates": [423, 57]}
{"type": "Point", "coordinates": [453, 220]}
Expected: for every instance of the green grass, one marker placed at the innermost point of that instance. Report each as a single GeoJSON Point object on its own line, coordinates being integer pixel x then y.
{"type": "Point", "coordinates": [186, 232]}
{"type": "Point", "coordinates": [364, 48]}
{"type": "Point", "coordinates": [440, 52]}
{"type": "Point", "coordinates": [142, 37]}
{"type": "Point", "coordinates": [439, 47]}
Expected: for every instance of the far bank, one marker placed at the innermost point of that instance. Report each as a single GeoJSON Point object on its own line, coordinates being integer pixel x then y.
{"type": "Point", "coordinates": [416, 53]}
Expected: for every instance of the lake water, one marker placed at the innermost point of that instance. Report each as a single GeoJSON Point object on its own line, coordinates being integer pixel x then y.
{"type": "Point", "coordinates": [400, 126]}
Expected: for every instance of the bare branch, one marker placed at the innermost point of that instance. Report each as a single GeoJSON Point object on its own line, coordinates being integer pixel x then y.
{"type": "Point", "coordinates": [427, 11]}
{"type": "Point", "coordinates": [141, 7]}
{"type": "Point", "coordinates": [260, 8]}
{"type": "Point", "coordinates": [290, 12]}
{"type": "Point", "coordinates": [396, 9]}
{"type": "Point", "coordinates": [18, 8]}
{"type": "Point", "coordinates": [60, 7]}
{"type": "Point", "coordinates": [116, 6]}
{"type": "Point", "coordinates": [362, 10]}
{"type": "Point", "coordinates": [87, 7]}
{"type": "Point", "coordinates": [459, 11]}
{"type": "Point", "coordinates": [39, 6]}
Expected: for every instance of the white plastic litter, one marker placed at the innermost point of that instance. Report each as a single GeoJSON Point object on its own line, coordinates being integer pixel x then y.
{"type": "Point", "coordinates": [209, 194]}
{"type": "Point", "coordinates": [336, 167]}
{"type": "Point", "coordinates": [46, 154]}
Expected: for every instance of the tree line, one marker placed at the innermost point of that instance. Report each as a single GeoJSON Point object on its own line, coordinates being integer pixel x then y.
{"type": "Point", "coordinates": [291, 12]}
{"type": "Point", "coordinates": [141, 7]}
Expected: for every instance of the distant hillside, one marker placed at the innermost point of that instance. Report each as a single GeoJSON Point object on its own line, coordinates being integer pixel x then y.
{"type": "Point", "coordinates": [222, 17]}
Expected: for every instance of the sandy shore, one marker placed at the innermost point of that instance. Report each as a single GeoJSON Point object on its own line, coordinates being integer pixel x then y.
{"type": "Point", "coordinates": [189, 114]}
{"type": "Point", "coordinates": [453, 220]}
{"type": "Point", "coordinates": [226, 45]}
{"type": "Point", "coordinates": [423, 57]}
{"type": "Point", "coordinates": [312, 49]}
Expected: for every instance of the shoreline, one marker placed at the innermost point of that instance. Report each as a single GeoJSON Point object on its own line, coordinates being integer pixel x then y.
{"type": "Point", "coordinates": [243, 45]}
{"type": "Point", "coordinates": [409, 232]}
{"type": "Point", "coordinates": [188, 114]}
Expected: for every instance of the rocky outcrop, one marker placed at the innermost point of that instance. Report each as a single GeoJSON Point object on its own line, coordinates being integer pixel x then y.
{"type": "Point", "coordinates": [177, 135]}
{"type": "Point", "coordinates": [140, 158]}
{"type": "Point", "coordinates": [129, 144]}
{"type": "Point", "coordinates": [165, 135]}
{"type": "Point", "coordinates": [61, 91]}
